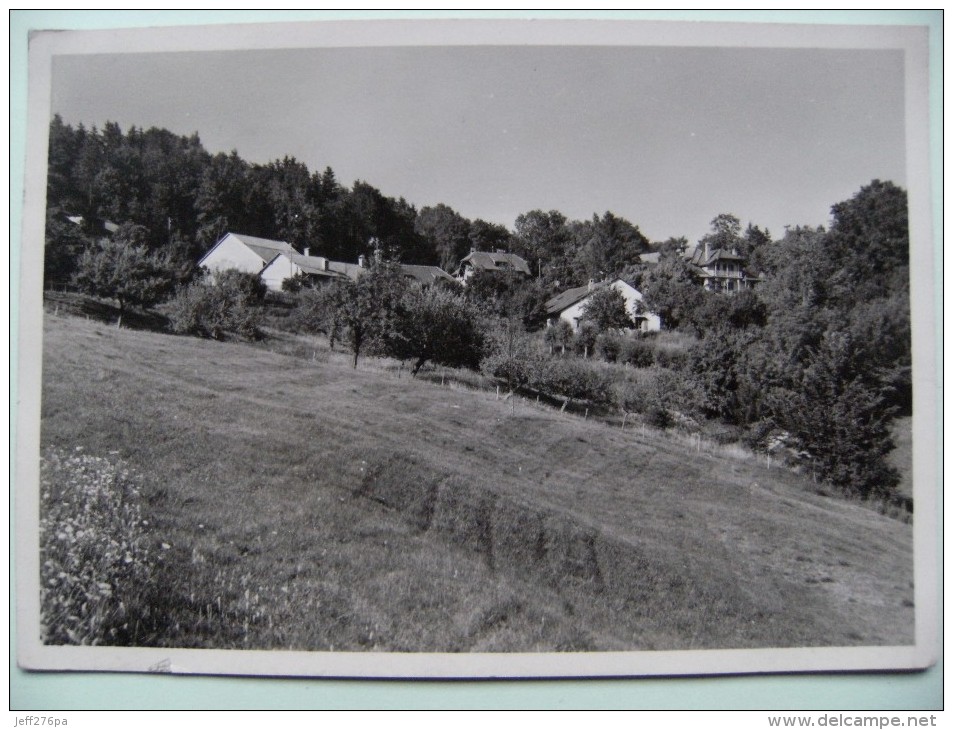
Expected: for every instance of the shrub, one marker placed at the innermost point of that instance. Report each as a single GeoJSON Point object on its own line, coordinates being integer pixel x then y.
{"type": "Point", "coordinates": [664, 398]}
{"type": "Point", "coordinates": [572, 379]}
{"type": "Point", "coordinates": [313, 310]}
{"type": "Point", "coordinates": [228, 303]}
{"type": "Point", "coordinates": [609, 346]}
{"type": "Point", "coordinates": [294, 284]}
{"type": "Point", "coordinates": [95, 565]}
{"type": "Point", "coordinates": [672, 358]}
{"type": "Point", "coordinates": [637, 352]}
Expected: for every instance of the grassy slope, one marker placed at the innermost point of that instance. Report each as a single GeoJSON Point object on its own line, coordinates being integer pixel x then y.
{"type": "Point", "coordinates": [312, 506]}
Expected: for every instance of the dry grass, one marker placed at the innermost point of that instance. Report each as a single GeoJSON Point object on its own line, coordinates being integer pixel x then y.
{"type": "Point", "coordinates": [311, 506]}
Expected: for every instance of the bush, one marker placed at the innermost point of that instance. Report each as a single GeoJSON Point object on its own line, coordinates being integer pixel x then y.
{"type": "Point", "coordinates": [572, 379]}
{"type": "Point", "coordinates": [294, 284]}
{"type": "Point", "coordinates": [313, 311]}
{"type": "Point", "coordinates": [637, 352]}
{"type": "Point", "coordinates": [671, 358]}
{"type": "Point", "coordinates": [95, 566]}
{"type": "Point", "coordinates": [228, 304]}
{"type": "Point", "coordinates": [609, 346]}
{"type": "Point", "coordinates": [664, 398]}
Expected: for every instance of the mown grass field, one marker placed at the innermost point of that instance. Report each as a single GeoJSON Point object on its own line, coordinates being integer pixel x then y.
{"type": "Point", "coordinates": [296, 503]}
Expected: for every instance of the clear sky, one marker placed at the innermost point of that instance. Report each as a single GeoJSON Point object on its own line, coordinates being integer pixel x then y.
{"type": "Point", "coordinates": [665, 137]}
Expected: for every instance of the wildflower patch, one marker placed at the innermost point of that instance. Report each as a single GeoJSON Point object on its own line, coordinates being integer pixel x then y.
{"type": "Point", "coordinates": [95, 567]}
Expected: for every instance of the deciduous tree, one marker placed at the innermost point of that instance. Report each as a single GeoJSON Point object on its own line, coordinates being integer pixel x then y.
{"type": "Point", "coordinates": [121, 269]}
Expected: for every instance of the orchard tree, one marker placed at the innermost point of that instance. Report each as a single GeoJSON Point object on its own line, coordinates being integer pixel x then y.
{"type": "Point", "coordinates": [367, 310]}
{"type": "Point", "coordinates": [558, 335]}
{"type": "Point", "coordinates": [584, 341]}
{"type": "Point", "coordinates": [120, 269]}
{"type": "Point", "coordinates": [606, 309]}
{"type": "Point", "coordinates": [437, 325]}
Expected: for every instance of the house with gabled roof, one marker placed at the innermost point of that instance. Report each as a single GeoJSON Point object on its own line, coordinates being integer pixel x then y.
{"type": "Point", "coordinates": [426, 275]}
{"type": "Point", "coordinates": [322, 270]}
{"type": "Point", "coordinates": [498, 260]}
{"type": "Point", "coordinates": [276, 261]}
{"type": "Point", "coordinates": [244, 253]}
{"type": "Point", "coordinates": [720, 269]}
{"type": "Point", "coordinates": [319, 269]}
{"type": "Point", "coordinates": [570, 306]}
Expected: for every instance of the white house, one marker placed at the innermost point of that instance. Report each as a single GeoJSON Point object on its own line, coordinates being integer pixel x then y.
{"type": "Point", "coordinates": [288, 264]}
{"type": "Point", "coordinates": [276, 261]}
{"type": "Point", "coordinates": [245, 253]}
{"type": "Point", "coordinates": [570, 306]}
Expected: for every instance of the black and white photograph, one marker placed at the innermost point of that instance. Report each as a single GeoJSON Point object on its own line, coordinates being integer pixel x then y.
{"type": "Point", "coordinates": [478, 349]}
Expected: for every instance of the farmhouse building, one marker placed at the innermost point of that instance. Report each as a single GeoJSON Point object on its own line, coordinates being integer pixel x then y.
{"type": "Point", "coordinates": [426, 275]}
{"type": "Point", "coordinates": [720, 270]}
{"type": "Point", "coordinates": [496, 261]}
{"type": "Point", "coordinates": [570, 306]}
{"type": "Point", "coordinates": [245, 253]}
{"type": "Point", "coordinates": [276, 261]}
{"type": "Point", "coordinates": [317, 268]}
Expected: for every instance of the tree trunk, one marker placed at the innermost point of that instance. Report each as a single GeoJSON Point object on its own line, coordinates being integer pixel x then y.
{"type": "Point", "coordinates": [419, 364]}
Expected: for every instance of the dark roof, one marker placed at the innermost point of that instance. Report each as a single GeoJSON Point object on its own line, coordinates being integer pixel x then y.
{"type": "Point", "coordinates": [495, 261]}
{"type": "Point", "coordinates": [426, 274]}
{"type": "Point", "coordinates": [697, 256]}
{"type": "Point", "coordinates": [566, 299]}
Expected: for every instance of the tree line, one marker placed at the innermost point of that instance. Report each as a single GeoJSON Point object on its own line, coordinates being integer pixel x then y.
{"type": "Point", "coordinates": [186, 198]}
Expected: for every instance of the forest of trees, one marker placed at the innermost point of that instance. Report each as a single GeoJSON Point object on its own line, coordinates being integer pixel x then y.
{"type": "Point", "coordinates": [819, 351]}
{"type": "Point", "coordinates": [186, 199]}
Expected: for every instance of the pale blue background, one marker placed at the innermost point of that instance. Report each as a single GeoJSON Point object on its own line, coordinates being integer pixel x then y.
{"type": "Point", "coordinates": [52, 691]}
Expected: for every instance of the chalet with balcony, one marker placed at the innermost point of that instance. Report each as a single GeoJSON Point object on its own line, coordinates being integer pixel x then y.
{"type": "Point", "coordinates": [721, 270]}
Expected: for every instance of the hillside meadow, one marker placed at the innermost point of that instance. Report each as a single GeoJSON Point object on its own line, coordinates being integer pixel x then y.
{"type": "Point", "coordinates": [292, 502]}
